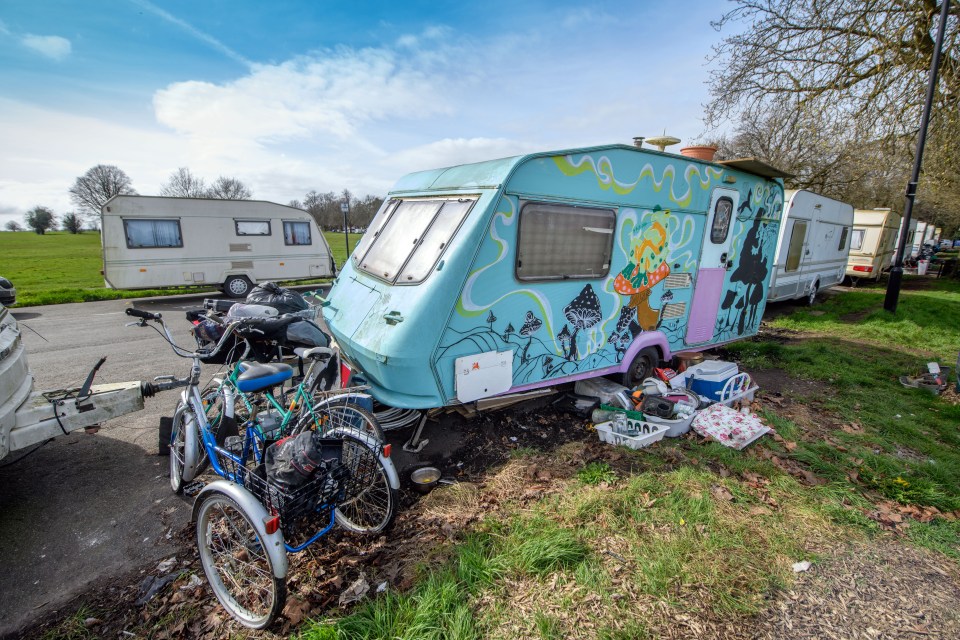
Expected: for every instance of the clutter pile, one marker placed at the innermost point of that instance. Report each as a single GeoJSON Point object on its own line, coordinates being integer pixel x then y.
{"type": "Point", "coordinates": [935, 379]}
{"type": "Point", "coordinates": [711, 397]}
{"type": "Point", "coordinates": [281, 318]}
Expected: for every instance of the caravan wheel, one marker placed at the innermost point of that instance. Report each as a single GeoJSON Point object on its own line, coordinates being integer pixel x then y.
{"type": "Point", "coordinates": [237, 286]}
{"type": "Point", "coordinates": [812, 299]}
{"type": "Point", "coordinates": [641, 368]}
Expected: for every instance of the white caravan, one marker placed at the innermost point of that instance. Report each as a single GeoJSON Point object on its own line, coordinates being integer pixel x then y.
{"type": "Point", "coordinates": [152, 242]}
{"type": "Point", "coordinates": [924, 235]}
{"type": "Point", "coordinates": [813, 246]}
{"type": "Point", "coordinates": [911, 234]}
{"type": "Point", "coordinates": [872, 242]}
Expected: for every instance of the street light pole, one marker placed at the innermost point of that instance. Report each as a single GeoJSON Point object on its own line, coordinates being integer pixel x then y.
{"type": "Point", "coordinates": [345, 208]}
{"type": "Point", "coordinates": [896, 273]}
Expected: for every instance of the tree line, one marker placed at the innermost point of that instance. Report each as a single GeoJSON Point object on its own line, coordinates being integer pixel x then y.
{"type": "Point", "coordinates": [100, 183]}
{"type": "Point", "coordinates": [832, 91]}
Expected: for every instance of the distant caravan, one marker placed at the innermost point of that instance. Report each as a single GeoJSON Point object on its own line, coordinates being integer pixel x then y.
{"type": "Point", "coordinates": [813, 246]}
{"type": "Point", "coordinates": [155, 242]}
{"type": "Point", "coordinates": [872, 243]}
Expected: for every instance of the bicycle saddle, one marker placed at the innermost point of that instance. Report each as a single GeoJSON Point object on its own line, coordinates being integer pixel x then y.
{"type": "Point", "coordinates": [257, 376]}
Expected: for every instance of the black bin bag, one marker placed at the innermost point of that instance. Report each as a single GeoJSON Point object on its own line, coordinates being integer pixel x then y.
{"type": "Point", "coordinates": [281, 299]}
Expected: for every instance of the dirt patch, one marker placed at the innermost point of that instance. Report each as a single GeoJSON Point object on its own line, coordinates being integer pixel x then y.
{"type": "Point", "coordinates": [856, 316]}
{"type": "Point", "coordinates": [883, 590]}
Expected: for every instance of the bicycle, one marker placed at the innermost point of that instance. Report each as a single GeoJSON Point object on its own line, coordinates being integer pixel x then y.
{"type": "Point", "coordinates": [246, 524]}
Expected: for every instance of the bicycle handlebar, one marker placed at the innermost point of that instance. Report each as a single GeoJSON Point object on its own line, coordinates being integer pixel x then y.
{"type": "Point", "coordinates": [140, 313]}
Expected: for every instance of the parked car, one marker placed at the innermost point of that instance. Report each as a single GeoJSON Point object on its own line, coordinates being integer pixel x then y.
{"type": "Point", "coordinates": [8, 293]}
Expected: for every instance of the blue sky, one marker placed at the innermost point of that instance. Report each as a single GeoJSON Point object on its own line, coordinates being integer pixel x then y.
{"type": "Point", "coordinates": [291, 96]}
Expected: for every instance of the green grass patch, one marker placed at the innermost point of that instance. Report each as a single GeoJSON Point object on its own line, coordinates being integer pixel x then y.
{"type": "Point", "coordinates": [595, 473]}
{"type": "Point", "coordinates": [926, 320]}
{"type": "Point", "coordinates": [60, 267]}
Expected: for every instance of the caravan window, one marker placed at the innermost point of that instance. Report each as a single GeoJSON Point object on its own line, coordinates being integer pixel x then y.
{"type": "Point", "coordinates": [561, 241]}
{"type": "Point", "coordinates": [843, 239]}
{"type": "Point", "coordinates": [722, 213]}
{"type": "Point", "coordinates": [152, 234]}
{"type": "Point", "coordinates": [795, 250]}
{"type": "Point", "coordinates": [296, 233]}
{"type": "Point", "coordinates": [408, 237]}
{"type": "Point", "coordinates": [856, 240]}
{"type": "Point", "coordinates": [253, 227]}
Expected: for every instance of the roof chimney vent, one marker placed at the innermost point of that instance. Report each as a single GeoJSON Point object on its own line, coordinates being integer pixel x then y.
{"type": "Point", "coordinates": [638, 142]}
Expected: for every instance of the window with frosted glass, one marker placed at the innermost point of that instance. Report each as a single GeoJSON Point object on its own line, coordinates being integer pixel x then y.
{"type": "Point", "coordinates": [152, 234]}
{"type": "Point", "coordinates": [253, 227]}
{"type": "Point", "coordinates": [407, 239]}
{"type": "Point", "coordinates": [561, 241]}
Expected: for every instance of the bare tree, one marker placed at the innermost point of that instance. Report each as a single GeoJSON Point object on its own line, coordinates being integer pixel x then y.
{"type": "Point", "coordinates": [97, 185]}
{"type": "Point", "coordinates": [855, 75]}
{"type": "Point", "coordinates": [183, 184]}
{"type": "Point", "coordinates": [40, 219]}
{"type": "Point", "coordinates": [13, 225]}
{"type": "Point", "coordinates": [72, 222]}
{"type": "Point", "coordinates": [224, 188]}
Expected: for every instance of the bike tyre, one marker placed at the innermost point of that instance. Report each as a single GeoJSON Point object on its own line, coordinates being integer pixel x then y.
{"type": "Point", "coordinates": [220, 543]}
{"type": "Point", "coordinates": [370, 502]}
{"type": "Point", "coordinates": [344, 416]}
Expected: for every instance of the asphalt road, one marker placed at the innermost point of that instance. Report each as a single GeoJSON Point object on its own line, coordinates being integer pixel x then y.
{"type": "Point", "coordinates": [85, 509]}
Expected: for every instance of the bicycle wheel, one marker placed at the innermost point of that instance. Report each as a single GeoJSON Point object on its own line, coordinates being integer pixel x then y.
{"type": "Point", "coordinates": [236, 563]}
{"type": "Point", "coordinates": [342, 415]}
{"type": "Point", "coordinates": [178, 445]}
{"type": "Point", "coordinates": [369, 503]}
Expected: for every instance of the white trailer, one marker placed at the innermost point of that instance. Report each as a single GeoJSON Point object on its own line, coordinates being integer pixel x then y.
{"type": "Point", "coordinates": [153, 242]}
{"type": "Point", "coordinates": [872, 242]}
{"type": "Point", "coordinates": [29, 417]}
{"type": "Point", "coordinates": [813, 246]}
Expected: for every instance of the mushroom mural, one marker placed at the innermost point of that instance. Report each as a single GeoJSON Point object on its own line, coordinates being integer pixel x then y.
{"type": "Point", "coordinates": [491, 319]}
{"type": "Point", "coordinates": [622, 335]}
{"type": "Point", "coordinates": [646, 267]}
{"type": "Point", "coordinates": [530, 326]}
{"type": "Point", "coordinates": [583, 312]}
{"type": "Point", "coordinates": [508, 332]}
{"type": "Point", "coordinates": [547, 365]}
{"type": "Point", "coordinates": [564, 338]}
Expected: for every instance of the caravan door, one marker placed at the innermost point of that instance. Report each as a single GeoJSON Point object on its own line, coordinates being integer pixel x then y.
{"type": "Point", "coordinates": [714, 261]}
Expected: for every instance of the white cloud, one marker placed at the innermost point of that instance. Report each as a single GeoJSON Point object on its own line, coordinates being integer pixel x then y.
{"type": "Point", "coordinates": [53, 47]}
{"type": "Point", "coordinates": [332, 93]}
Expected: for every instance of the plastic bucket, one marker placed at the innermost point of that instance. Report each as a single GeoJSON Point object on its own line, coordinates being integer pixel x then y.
{"type": "Point", "coordinates": [922, 267]}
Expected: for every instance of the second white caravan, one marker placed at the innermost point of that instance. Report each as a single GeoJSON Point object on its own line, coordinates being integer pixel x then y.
{"type": "Point", "coordinates": [152, 242]}
{"type": "Point", "coordinates": [813, 246]}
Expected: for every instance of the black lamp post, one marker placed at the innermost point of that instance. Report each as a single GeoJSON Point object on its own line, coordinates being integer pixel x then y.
{"type": "Point", "coordinates": [345, 208]}
{"type": "Point", "coordinates": [896, 273]}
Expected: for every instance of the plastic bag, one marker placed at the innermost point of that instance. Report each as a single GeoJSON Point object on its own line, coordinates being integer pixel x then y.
{"type": "Point", "coordinates": [281, 299]}
{"type": "Point", "coordinates": [241, 310]}
{"type": "Point", "coordinates": [293, 461]}
{"type": "Point", "coordinates": [308, 334]}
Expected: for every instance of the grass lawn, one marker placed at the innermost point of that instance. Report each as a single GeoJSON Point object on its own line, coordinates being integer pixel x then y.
{"type": "Point", "coordinates": [60, 267]}
{"type": "Point", "coordinates": [696, 530]}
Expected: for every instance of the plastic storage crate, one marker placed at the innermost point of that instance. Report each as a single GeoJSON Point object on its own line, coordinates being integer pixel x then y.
{"type": "Point", "coordinates": [649, 433]}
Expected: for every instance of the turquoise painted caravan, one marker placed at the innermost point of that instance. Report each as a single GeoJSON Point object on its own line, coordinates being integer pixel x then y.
{"type": "Point", "coordinates": [508, 275]}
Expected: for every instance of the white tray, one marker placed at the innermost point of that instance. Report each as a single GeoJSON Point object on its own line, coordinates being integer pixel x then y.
{"type": "Point", "coordinates": [656, 432]}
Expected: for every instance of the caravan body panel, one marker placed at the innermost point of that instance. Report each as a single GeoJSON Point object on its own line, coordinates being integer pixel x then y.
{"type": "Point", "coordinates": [813, 247]}
{"type": "Point", "coordinates": [872, 242]}
{"type": "Point", "coordinates": [566, 265]}
{"type": "Point", "coordinates": [152, 242]}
